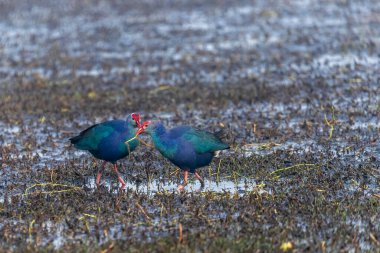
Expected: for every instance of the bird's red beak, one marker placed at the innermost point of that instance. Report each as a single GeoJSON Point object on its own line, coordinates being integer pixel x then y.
{"type": "Point", "coordinates": [142, 127]}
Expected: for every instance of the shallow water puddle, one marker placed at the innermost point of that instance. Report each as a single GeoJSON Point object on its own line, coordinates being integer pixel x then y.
{"type": "Point", "coordinates": [156, 186]}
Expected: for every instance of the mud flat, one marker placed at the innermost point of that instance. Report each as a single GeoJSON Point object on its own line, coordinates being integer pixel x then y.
{"type": "Point", "coordinates": [295, 85]}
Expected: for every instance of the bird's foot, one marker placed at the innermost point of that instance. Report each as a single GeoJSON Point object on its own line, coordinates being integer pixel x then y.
{"type": "Point", "coordinates": [200, 179]}
{"type": "Point", "coordinates": [181, 188]}
{"type": "Point", "coordinates": [123, 184]}
{"type": "Point", "coordinates": [97, 181]}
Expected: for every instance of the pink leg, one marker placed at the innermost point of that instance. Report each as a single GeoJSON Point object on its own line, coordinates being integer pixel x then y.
{"type": "Point", "coordinates": [123, 184]}
{"type": "Point", "coordinates": [181, 187]}
{"type": "Point", "coordinates": [200, 179]}
{"type": "Point", "coordinates": [99, 175]}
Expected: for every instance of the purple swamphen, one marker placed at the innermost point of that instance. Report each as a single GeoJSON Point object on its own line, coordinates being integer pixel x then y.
{"type": "Point", "coordinates": [186, 147]}
{"type": "Point", "coordinates": [110, 141]}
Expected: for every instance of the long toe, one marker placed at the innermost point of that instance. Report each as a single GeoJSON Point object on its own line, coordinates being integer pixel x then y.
{"type": "Point", "coordinates": [200, 179]}
{"type": "Point", "coordinates": [180, 188]}
{"type": "Point", "coordinates": [98, 176]}
{"type": "Point", "coordinates": [122, 186]}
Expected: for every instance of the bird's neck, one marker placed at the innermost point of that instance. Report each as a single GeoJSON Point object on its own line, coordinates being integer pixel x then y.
{"type": "Point", "coordinates": [165, 145]}
{"type": "Point", "coordinates": [160, 130]}
{"type": "Point", "coordinates": [130, 128]}
{"type": "Point", "coordinates": [159, 138]}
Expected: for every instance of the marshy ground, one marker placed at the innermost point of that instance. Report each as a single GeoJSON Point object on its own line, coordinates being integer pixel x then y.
{"type": "Point", "coordinates": [294, 84]}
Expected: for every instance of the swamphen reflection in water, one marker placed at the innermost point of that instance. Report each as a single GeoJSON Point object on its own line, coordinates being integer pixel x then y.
{"type": "Point", "coordinates": [186, 147]}
{"type": "Point", "coordinates": [110, 141]}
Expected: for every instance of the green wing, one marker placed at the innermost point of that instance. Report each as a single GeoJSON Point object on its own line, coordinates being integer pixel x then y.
{"type": "Point", "coordinates": [203, 141]}
{"type": "Point", "coordinates": [90, 138]}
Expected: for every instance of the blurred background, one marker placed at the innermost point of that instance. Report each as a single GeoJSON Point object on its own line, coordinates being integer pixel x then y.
{"type": "Point", "coordinates": [231, 60]}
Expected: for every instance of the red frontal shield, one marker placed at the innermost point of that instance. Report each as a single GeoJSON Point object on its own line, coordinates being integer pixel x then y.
{"type": "Point", "coordinates": [136, 117]}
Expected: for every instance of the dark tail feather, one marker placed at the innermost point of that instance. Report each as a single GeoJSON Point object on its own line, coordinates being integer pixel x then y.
{"type": "Point", "coordinates": [76, 139]}
{"type": "Point", "coordinates": [227, 146]}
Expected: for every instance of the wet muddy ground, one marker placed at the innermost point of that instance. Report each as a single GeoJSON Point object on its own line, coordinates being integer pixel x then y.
{"type": "Point", "coordinates": [295, 85]}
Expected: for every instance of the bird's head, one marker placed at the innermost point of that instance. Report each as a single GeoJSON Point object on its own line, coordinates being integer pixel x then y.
{"type": "Point", "coordinates": [142, 127]}
{"type": "Point", "coordinates": [133, 120]}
